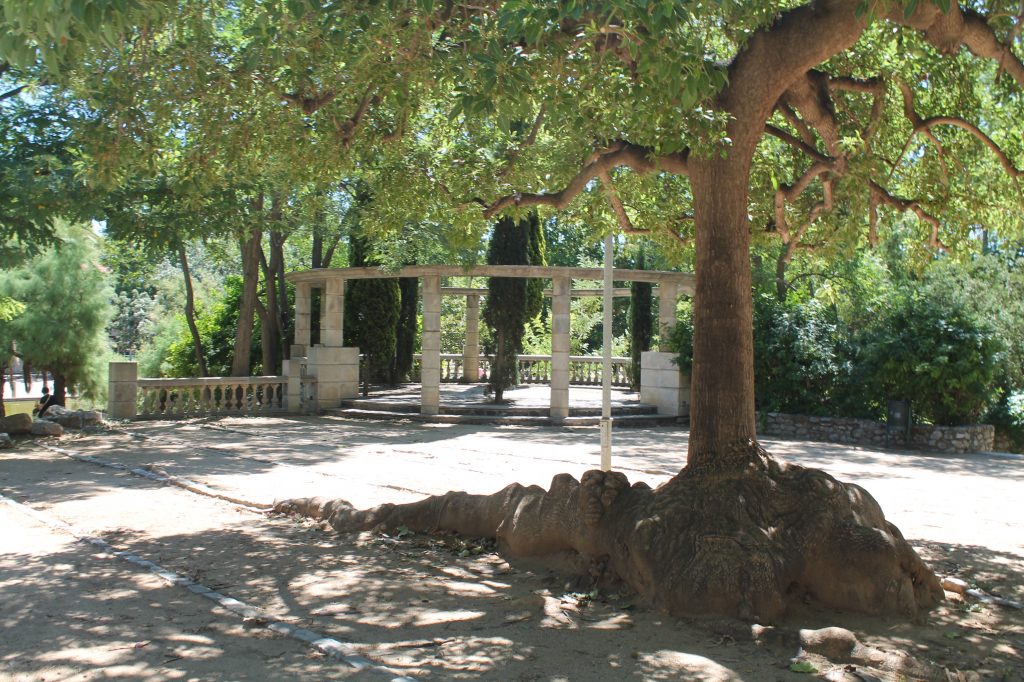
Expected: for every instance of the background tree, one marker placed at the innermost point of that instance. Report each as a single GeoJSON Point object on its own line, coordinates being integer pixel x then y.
{"type": "Point", "coordinates": [373, 308]}
{"type": "Point", "coordinates": [407, 331]}
{"type": "Point", "coordinates": [641, 321]}
{"type": "Point", "coordinates": [511, 302]}
{"type": "Point", "coordinates": [62, 329]}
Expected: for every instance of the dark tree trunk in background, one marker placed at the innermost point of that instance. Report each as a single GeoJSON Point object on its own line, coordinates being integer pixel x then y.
{"type": "Point", "coordinates": [250, 249]}
{"type": "Point", "coordinates": [60, 389]}
{"type": "Point", "coordinates": [277, 240]}
{"type": "Point", "coordinates": [190, 313]}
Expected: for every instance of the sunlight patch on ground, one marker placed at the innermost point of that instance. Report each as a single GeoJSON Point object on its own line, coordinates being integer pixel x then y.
{"type": "Point", "coordinates": [670, 665]}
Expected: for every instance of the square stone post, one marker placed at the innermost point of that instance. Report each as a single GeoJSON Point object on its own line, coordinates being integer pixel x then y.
{"type": "Point", "coordinates": [332, 302]}
{"type": "Point", "coordinates": [667, 295]}
{"type": "Point", "coordinates": [561, 300]}
{"type": "Point", "coordinates": [123, 389]}
{"type": "Point", "coordinates": [471, 347]}
{"type": "Point", "coordinates": [663, 385]}
{"type": "Point", "coordinates": [303, 312]}
{"type": "Point", "coordinates": [430, 346]}
{"type": "Point", "coordinates": [337, 374]}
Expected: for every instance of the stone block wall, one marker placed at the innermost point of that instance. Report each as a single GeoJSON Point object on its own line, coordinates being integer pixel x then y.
{"type": "Point", "coordinates": [957, 439]}
{"type": "Point", "coordinates": [663, 385]}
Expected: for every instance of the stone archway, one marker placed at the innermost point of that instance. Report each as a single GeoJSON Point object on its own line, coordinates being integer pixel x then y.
{"type": "Point", "coordinates": [336, 368]}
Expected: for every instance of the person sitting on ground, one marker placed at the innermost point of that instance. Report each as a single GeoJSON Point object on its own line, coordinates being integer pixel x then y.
{"type": "Point", "coordinates": [45, 402]}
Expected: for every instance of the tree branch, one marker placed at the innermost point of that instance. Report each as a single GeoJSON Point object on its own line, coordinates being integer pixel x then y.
{"type": "Point", "coordinates": [530, 139]}
{"type": "Point", "coordinates": [880, 195]}
{"type": "Point", "coordinates": [622, 154]}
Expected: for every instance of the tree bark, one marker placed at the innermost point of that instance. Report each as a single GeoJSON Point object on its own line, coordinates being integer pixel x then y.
{"type": "Point", "coordinates": [60, 389]}
{"type": "Point", "coordinates": [723, 424]}
{"type": "Point", "coordinates": [250, 249]}
{"type": "Point", "coordinates": [190, 312]}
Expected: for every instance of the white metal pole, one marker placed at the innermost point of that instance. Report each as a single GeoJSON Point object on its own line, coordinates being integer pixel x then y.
{"type": "Point", "coordinates": [606, 373]}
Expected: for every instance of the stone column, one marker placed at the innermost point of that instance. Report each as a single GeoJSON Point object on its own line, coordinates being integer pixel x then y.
{"type": "Point", "coordinates": [430, 346]}
{"type": "Point", "coordinates": [332, 302]}
{"type": "Point", "coordinates": [471, 347]}
{"type": "Point", "coordinates": [303, 306]}
{"type": "Point", "coordinates": [667, 295]}
{"type": "Point", "coordinates": [560, 304]}
{"type": "Point", "coordinates": [123, 389]}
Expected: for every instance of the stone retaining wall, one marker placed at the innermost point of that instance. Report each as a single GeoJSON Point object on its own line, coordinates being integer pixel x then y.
{"type": "Point", "coordinates": [959, 439]}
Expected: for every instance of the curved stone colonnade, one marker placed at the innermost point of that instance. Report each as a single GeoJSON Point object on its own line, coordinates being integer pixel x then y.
{"type": "Point", "coordinates": [334, 369]}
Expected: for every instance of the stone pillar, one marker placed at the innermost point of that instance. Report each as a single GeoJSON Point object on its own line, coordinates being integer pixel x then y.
{"type": "Point", "coordinates": [332, 302]}
{"type": "Point", "coordinates": [303, 306]}
{"type": "Point", "coordinates": [337, 374]}
{"type": "Point", "coordinates": [430, 346]}
{"type": "Point", "coordinates": [471, 347]}
{"type": "Point", "coordinates": [560, 304]}
{"type": "Point", "coordinates": [663, 384]}
{"type": "Point", "coordinates": [667, 295]}
{"type": "Point", "coordinates": [123, 389]}
{"type": "Point", "coordinates": [295, 370]}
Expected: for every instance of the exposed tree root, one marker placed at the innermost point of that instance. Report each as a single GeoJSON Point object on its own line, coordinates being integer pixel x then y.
{"type": "Point", "coordinates": [745, 543]}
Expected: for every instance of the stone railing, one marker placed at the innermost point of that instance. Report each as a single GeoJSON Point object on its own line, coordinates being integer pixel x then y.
{"type": "Point", "coordinates": [584, 370]}
{"type": "Point", "coordinates": [959, 439]}
{"type": "Point", "coordinates": [197, 397]}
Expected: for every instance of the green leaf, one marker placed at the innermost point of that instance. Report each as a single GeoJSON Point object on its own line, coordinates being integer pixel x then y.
{"type": "Point", "coordinates": [803, 667]}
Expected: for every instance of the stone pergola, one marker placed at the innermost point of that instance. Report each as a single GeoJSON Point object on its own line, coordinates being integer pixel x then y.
{"type": "Point", "coordinates": [337, 367]}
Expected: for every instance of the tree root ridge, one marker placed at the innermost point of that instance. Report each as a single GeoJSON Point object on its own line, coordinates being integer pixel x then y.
{"type": "Point", "coordinates": [747, 545]}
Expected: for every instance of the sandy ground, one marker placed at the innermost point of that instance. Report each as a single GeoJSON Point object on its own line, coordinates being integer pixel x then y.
{"type": "Point", "coordinates": [421, 607]}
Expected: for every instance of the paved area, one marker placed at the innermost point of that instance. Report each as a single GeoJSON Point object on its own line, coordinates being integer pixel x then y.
{"type": "Point", "coordinates": [425, 608]}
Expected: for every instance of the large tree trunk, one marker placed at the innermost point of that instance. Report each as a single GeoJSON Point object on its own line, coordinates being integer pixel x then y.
{"type": "Point", "coordinates": [272, 338]}
{"type": "Point", "coordinates": [60, 389]}
{"type": "Point", "coordinates": [190, 313]}
{"type": "Point", "coordinates": [722, 419]}
{"type": "Point", "coordinates": [250, 283]}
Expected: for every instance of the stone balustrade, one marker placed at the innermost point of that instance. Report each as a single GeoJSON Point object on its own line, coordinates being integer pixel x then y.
{"type": "Point", "coordinates": [584, 370]}
{"type": "Point", "coordinates": [197, 397]}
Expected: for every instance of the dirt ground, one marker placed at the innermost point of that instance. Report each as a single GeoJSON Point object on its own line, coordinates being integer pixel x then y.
{"type": "Point", "coordinates": [434, 608]}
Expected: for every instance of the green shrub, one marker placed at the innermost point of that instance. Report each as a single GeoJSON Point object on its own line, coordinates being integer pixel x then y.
{"type": "Point", "coordinates": [936, 354]}
{"type": "Point", "coordinates": [801, 363]}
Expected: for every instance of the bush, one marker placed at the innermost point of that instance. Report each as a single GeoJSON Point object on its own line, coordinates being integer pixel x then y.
{"type": "Point", "coordinates": [801, 361]}
{"type": "Point", "coordinates": [934, 353]}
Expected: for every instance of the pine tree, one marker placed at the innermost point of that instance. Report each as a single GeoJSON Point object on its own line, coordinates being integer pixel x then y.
{"type": "Point", "coordinates": [536, 255]}
{"type": "Point", "coordinates": [62, 327]}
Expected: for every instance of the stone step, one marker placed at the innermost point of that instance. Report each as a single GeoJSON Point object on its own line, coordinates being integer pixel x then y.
{"type": "Point", "coordinates": [624, 421]}
{"type": "Point", "coordinates": [370, 405]}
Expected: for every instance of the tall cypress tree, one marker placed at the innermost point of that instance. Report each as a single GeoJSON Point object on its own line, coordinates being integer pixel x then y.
{"type": "Point", "coordinates": [641, 321]}
{"type": "Point", "coordinates": [507, 301]}
{"type": "Point", "coordinates": [372, 309]}
{"type": "Point", "coordinates": [536, 255]}
{"type": "Point", "coordinates": [405, 339]}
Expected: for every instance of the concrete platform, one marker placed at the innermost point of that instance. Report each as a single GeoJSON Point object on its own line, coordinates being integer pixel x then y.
{"type": "Point", "coordinates": [525, 405]}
